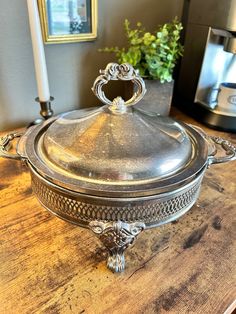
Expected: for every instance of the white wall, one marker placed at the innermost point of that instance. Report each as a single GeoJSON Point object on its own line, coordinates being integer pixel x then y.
{"type": "Point", "coordinates": [72, 68]}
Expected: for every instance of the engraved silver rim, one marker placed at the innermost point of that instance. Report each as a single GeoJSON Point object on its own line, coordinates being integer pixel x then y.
{"type": "Point", "coordinates": [198, 162]}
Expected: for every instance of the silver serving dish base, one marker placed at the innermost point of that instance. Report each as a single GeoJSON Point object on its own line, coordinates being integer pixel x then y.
{"type": "Point", "coordinates": [116, 221]}
{"type": "Point", "coordinates": [117, 213]}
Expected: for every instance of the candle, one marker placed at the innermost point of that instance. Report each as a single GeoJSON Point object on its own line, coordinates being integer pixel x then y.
{"type": "Point", "coordinates": [38, 51]}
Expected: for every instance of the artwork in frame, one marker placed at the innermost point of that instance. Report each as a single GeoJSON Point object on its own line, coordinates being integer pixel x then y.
{"type": "Point", "coordinates": [66, 21]}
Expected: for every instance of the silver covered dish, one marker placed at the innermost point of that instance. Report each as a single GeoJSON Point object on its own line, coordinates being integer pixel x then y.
{"type": "Point", "coordinates": [117, 169]}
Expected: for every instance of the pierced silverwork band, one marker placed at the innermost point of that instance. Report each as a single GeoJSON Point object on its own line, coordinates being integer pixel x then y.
{"type": "Point", "coordinates": [86, 210]}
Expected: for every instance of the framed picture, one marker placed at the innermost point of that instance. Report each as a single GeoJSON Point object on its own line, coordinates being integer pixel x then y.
{"type": "Point", "coordinates": [64, 21]}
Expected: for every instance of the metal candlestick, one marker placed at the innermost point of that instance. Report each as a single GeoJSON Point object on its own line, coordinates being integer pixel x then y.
{"type": "Point", "coordinates": [46, 111]}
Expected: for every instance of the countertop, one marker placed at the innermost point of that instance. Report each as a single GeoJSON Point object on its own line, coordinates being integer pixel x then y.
{"type": "Point", "coordinates": [50, 266]}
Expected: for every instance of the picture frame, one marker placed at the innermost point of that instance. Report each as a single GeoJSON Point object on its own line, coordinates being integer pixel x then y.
{"type": "Point", "coordinates": [67, 21]}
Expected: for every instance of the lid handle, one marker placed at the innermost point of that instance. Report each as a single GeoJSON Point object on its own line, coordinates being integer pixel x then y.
{"type": "Point", "coordinates": [124, 72]}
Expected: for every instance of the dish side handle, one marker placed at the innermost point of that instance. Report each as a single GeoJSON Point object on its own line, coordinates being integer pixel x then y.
{"type": "Point", "coordinates": [228, 147]}
{"type": "Point", "coordinates": [213, 142]}
{"type": "Point", "coordinates": [6, 145]}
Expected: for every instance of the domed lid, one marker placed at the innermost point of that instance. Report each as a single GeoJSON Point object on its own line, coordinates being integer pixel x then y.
{"type": "Point", "coordinates": [116, 145]}
{"type": "Point", "coordinates": [99, 145]}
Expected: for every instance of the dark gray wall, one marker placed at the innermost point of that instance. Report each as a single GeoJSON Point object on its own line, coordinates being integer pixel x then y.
{"type": "Point", "coordinates": [72, 68]}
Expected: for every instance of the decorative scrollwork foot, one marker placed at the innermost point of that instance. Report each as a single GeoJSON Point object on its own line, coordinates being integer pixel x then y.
{"type": "Point", "coordinates": [116, 236]}
{"type": "Point", "coordinates": [116, 261]}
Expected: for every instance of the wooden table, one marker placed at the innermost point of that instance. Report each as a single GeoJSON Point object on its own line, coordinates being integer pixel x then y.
{"type": "Point", "coordinates": [50, 266]}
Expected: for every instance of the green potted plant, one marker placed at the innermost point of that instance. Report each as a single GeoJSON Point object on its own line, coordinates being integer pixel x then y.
{"type": "Point", "coordinates": [155, 56]}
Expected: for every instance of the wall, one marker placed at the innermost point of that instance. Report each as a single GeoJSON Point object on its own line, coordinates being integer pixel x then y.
{"type": "Point", "coordinates": [72, 68]}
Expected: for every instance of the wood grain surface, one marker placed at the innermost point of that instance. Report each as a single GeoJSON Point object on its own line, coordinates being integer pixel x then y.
{"type": "Point", "coordinates": [50, 266]}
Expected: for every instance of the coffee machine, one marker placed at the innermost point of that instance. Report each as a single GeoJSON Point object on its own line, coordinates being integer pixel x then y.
{"type": "Point", "coordinates": [206, 82]}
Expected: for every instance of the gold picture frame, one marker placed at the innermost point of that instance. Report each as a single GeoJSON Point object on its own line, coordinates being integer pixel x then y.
{"type": "Point", "coordinates": [68, 21]}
